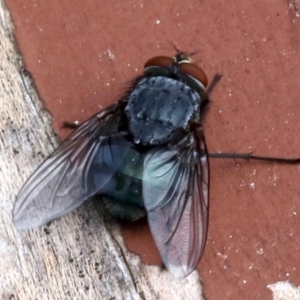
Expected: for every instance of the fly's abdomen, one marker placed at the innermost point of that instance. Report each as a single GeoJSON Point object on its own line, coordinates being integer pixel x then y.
{"type": "Point", "coordinates": [158, 108]}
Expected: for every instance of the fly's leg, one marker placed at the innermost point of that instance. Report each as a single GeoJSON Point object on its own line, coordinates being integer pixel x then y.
{"type": "Point", "coordinates": [250, 156]}
{"type": "Point", "coordinates": [212, 85]}
{"type": "Point", "coordinates": [70, 125]}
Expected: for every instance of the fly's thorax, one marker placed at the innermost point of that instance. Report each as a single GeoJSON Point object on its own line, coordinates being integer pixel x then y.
{"type": "Point", "coordinates": [160, 108]}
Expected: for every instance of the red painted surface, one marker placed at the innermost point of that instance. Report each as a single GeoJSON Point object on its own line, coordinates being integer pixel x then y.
{"type": "Point", "coordinates": [81, 53]}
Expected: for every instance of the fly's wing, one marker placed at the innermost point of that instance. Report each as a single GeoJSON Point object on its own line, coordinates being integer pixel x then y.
{"type": "Point", "coordinates": [175, 191]}
{"type": "Point", "coordinates": [62, 182]}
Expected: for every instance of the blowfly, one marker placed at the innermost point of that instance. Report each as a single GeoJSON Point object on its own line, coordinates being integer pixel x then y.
{"type": "Point", "coordinates": [145, 155]}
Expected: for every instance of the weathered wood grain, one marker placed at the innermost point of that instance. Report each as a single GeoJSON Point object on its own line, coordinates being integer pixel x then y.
{"type": "Point", "coordinates": [80, 256]}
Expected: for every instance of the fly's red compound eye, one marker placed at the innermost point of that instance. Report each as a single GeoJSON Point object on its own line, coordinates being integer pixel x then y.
{"type": "Point", "coordinates": [159, 61]}
{"type": "Point", "coordinates": [195, 72]}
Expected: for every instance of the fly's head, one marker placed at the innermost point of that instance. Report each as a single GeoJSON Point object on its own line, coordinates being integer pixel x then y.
{"type": "Point", "coordinates": [180, 67]}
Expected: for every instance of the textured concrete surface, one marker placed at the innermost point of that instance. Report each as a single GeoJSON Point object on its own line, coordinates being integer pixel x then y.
{"type": "Point", "coordinates": [81, 53]}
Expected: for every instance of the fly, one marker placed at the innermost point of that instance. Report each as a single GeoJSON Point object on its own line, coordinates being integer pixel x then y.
{"type": "Point", "coordinates": [145, 155]}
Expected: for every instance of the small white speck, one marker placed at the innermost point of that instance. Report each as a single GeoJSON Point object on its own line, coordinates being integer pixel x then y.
{"type": "Point", "coordinates": [242, 184]}
{"type": "Point", "coordinates": [244, 281]}
{"type": "Point", "coordinates": [287, 274]}
{"type": "Point", "coordinates": [294, 213]}
{"type": "Point", "coordinates": [224, 256]}
{"type": "Point", "coordinates": [157, 21]}
{"type": "Point", "coordinates": [230, 236]}
{"type": "Point", "coordinates": [260, 251]}
{"type": "Point", "coordinates": [110, 55]}
{"type": "Point", "coordinates": [247, 59]}
{"type": "Point", "coordinates": [252, 185]}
